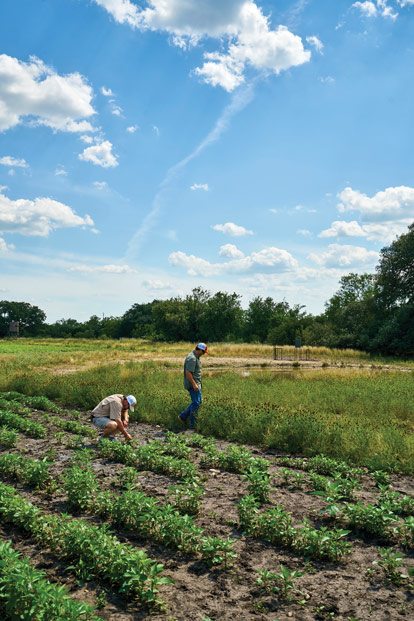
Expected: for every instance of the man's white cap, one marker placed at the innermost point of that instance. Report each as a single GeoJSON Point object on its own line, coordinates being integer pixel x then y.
{"type": "Point", "coordinates": [202, 346]}
{"type": "Point", "coordinates": [132, 402]}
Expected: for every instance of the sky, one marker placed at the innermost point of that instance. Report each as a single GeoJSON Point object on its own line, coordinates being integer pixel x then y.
{"type": "Point", "coordinates": [148, 147]}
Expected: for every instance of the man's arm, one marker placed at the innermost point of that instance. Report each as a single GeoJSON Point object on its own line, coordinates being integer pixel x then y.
{"type": "Point", "coordinates": [192, 381]}
{"type": "Point", "coordinates": [122, 429]}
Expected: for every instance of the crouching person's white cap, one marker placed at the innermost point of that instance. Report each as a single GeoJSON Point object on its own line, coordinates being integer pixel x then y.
{"type": "Point", "coordinates": [132, 402]}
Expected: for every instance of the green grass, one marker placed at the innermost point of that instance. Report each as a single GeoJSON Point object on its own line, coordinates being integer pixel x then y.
{"type": "Point", "coordinates": [363, 417]}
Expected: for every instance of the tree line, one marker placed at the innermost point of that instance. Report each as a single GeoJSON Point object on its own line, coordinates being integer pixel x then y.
{"type": "Point", "coordinates": [372, 312]}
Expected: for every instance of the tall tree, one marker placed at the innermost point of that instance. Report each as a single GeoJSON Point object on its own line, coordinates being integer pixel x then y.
{"type": "Point", "coordinates": [31, 318]}
{"type": "Point", "coordinates": [396, 271]}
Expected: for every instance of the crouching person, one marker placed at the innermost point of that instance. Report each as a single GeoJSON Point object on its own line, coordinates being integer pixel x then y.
{"type": "Point", "coordinates": [111, 415]}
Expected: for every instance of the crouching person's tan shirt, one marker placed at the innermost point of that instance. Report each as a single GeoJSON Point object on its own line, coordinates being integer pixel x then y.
{"type": "Point", "coordinates": [110, 406]}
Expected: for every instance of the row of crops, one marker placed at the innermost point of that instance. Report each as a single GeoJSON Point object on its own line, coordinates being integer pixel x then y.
{"type": "Point", "coordinates": [89, 536]}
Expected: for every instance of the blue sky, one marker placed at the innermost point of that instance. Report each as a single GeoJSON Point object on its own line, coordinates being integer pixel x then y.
{"type": "Point", "coordinates": [151, 146]}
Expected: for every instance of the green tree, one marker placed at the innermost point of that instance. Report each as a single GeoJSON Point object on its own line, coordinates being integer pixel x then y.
{"type": "Point", "coordinates": [137, 322]}
{"type": "Point", "coordinates": [259, 317]}
{"type": "Point", "coordinates": [31, 318]}
{"type": "Point", "coordinates": [223, 317]}
{"type": "Point", "coordinates": [396, 272]}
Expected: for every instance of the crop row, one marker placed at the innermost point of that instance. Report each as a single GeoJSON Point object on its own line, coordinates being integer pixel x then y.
{"type": "Point", "coordinates": [28, 427]}
{"type": "Point", "coordinates": [32, 472]}
{"type": "Point", "coordinates": [36, 402]}
{"type": "Point", "coordinates": [26, 594]}
{"type": "Point", "coordinates": [275, 525]}
{"type": "Point", "coordinates": [91, 549]}
{"type": "Point", "coordinates": [375, 520]}
{"type": "Point", "coordinates": [150, 456]}
{"type": "Point", "coordinates": [142, 515]}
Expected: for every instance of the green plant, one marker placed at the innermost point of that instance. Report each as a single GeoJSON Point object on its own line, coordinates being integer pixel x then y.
{"type": "Point", "coordinates": [26, 594]}
{"type": "Point", "coordinates": [8, 437]}
{"type": "Point", "coordinates": [281, 583]}
{"type": "Point", "coordinates": [186, 498]}
{"type": "Point", "coordinates": [217, 551]}
{"type": "Point", "coordinates": [258, 484]}
{"type": "Point", "coordinates": [81, 488]}
{"type": "Point", "coordinates": [391, 562]}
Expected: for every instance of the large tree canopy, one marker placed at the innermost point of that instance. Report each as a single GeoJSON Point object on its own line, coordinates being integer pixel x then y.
{"type": "Point", "coordinates": [30, 318]}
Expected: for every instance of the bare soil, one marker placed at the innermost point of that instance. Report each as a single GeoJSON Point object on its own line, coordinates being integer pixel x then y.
{"type": "Point", "coordinates": [351, 590]}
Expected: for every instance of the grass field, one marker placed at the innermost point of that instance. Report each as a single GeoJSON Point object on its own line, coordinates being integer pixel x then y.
{"type": "Point", "coordinates": [363, 415]}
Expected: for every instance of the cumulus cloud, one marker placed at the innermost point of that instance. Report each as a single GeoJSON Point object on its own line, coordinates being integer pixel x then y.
{"type": "Point", "coordinates": [394, 202]}
{"type": "Point", "coordinates": [100, 154]}
{"type": "Point", "coordinates": [103, 269]}
{"type": "Point", "coordinates": [231, 251]}
{"type": "Point", "coordinates": [234, 230]}
{"type": "Point", "coordinates": [384, 216]}
{"type": "Point", "coordinates": [13, 162]}
{"type": "Point", "coordinates": [276, 258]}
{"type": "Point", "coordinates": [346, 229]}
{"type": "Point", "coordinates": [304, 232]}
{"type": "Point", "coordinates": [239, 24]}
{"type": "Point", "coordinates": [200, 186]}
{"type": "Point", "coordinates": [132, 129]}
{"type": "Point", "coordinates": [32, 89]}
{"type": "Point", "coordinates": [37, 217]}
{"type": "Point", "coordinates": [344, 256]}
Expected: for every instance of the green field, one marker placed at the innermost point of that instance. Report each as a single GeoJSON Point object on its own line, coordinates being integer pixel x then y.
{"type": "Point", "coordinates": [365, 416]}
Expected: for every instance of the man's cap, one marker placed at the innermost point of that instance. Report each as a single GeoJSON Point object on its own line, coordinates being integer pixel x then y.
{"type": "Point", "coordinates": [202, 346]}
{"type": "Point", "coordinates": [132, 402]}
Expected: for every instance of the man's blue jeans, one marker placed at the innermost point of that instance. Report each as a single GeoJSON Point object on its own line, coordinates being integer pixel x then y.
{"type": "Point", "coordinates": [190, 413]}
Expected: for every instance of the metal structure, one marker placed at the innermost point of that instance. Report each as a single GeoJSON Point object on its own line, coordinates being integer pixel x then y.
{"type": "Point", "coordinates": [14, 328]}
{"type": "Point", "coordinates": [298, 353]}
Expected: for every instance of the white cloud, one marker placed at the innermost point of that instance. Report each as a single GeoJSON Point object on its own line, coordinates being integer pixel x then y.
{"type": "Point", "coordinates": [13, 162]}
{"type": "Point", "coordinates": [37, 217]}
{"type": "Point", "coordinates": [200, 186]}
{"type": "Point", "coordinates": [328, 79]}
{"type": "Point", "coordinates": [106, 92]}
{"type": "Point", "coordinates": [155, 285]}
{"type": "Point", "coordinates": [100, 185]}
{"type": "Point", "coordinates": [316, 43]}
{"type": "Point", "coordinates": [346, 229]}
{"type": "Point", "coordinates": [100, 155]}
{"type": "Point", "coordinates": [374, 231]}
{"type": "Point", "coordinates": [132, 129]}
{"type": "Point", "coordinates": [344, 256]}
{"type": "Point", "coordinates": [3, 188]}
{"type": "Point", "coordinates": [234, 230]}
{"type": "Point", "coordinates": [266, 258]}
{"type": "Point", "coordinates": [272, 257]}
{"type": "Point", "coordinates": [117, 110]}
{"type": "Point", "coordinates": [304, 232]}
{"type": "Point", "coordinates": [4, 248]}
{"type": "Point", "coordinates": [34, 90]}
{"type": "Point", "coordinates": [395, 202]}
{"type": "Point", "coordinates": [61, 171]}
{"type": "Point", "coordinates": [87, 139]}
{"type": "Point", "coordinates": [156, 130]}
{"type": "Point", "coordinates": [231, 251]}
{"type": "Point", "coordinates": [376, 8]}
{"type": "Point", "coordinates": [104, 269]}
{"type": "Point", "coordinates": [239, 24]}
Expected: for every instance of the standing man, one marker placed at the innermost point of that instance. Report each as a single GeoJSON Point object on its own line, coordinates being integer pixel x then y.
{"type": "Point", "coordinates": [192, 383]}
{"type": "Point", "coordinates": [111, 415]}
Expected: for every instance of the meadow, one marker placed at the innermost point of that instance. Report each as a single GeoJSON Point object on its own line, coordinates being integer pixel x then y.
{"type": "Point", "coordinates": [349, 408]}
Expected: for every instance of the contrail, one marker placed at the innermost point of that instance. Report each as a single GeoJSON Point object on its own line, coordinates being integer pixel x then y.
{"type": "Point", "coordinates": [239, 101]}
